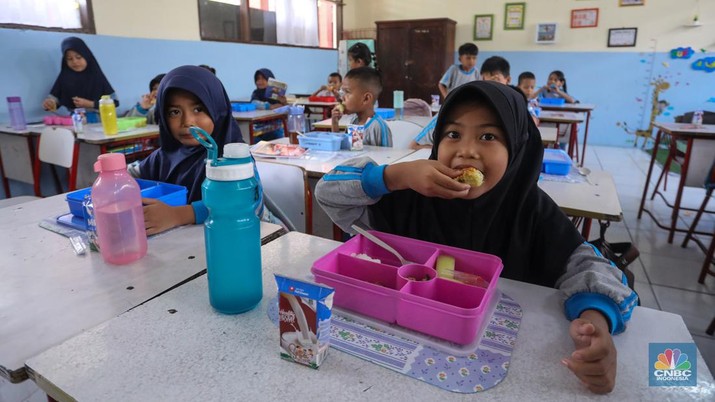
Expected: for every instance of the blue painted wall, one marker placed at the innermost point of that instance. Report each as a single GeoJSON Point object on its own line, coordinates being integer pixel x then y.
{"type": "Point", "coordinates": [31, 62]}
{"type": "Point", "coordinates": [618, 84]}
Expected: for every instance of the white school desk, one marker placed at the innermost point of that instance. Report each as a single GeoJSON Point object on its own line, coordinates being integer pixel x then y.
{"type": "Point", "coordinates": [318, 163]}
{"type": "Point", "coordinates": [559, 118]}
{"type": "Point", "coordinates": [48, 294]}
{"type": "Point", "coordinates": [247, 122]}
{"type": "Point", "coordinates": [18, 150]}
{"type": "Point", "coordinates": [578, 108]}
{"type": "Point", "coordinates": [325, 107]}
{"type": "Point", "coordinates": [326, 125]}
{"type": "Point", "coordinates": [148, 354]}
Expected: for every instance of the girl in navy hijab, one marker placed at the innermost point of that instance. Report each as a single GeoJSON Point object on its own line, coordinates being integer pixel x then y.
{"type": "Point", "coordinates": [81, 82]}
{"type": "Point", "coordinates": [188, 96]}
{"type": "Point", "coordinates": [260, 77]}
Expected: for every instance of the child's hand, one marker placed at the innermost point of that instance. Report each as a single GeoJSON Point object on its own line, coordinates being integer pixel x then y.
{"type": "Point", "coordinates": [594, 360]}
{"type": "Point", "coordinates": [428, 177]}
{"type": "Point", "coordinates": [49, 105]}
{"type": "Point", "coordinates": [158, 216]}
{"type": "Point", "coordinates": [146, 101]}
{"type": "Point", "coordinates": [82, 102]}
{"type": "Point", "coordinates": [337, 112]}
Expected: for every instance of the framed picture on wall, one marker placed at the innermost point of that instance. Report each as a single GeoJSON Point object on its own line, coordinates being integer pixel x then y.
{"type": "Point", "coordinates": [514, 15]}
{"type": "Point", "coordinates": [623, 3]}
{"type": "Point", "coordinates": [546, 32]}
{"type": "Point", "coordinates": [622, 37]}
{"type": "Point", "coordinates": [584, 18]}
{"type": "Point", "coordinates": [483, 26]}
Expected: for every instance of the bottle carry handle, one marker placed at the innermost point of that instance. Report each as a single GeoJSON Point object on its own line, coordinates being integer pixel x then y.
{"type": "Point", "coordinates": [210, 145]}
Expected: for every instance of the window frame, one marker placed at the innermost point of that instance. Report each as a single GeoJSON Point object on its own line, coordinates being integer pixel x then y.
{"type": "Point", "coordinates": [245, 27]}
{"type": "Point", "coordinates": [86, 17]}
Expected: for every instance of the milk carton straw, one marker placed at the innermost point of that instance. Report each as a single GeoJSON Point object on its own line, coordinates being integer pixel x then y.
{"type": "Point", "coordinates": [304, 311]}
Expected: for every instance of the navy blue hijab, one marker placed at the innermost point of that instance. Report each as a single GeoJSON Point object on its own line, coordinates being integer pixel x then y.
{"type": "Point", "coordinates": [89, 84]}
{"type": "Point", "coordinates": [515, 220]}
{"type": "Point", "coordinates": [174, 162]}
{"type": "Point", "coordinates": [260, 94]}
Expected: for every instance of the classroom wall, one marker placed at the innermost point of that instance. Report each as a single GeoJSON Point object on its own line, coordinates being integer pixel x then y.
{"type": "Point", "coordinates": [138, 39]}
{"type": "Point", "coordinates": [617, 80]}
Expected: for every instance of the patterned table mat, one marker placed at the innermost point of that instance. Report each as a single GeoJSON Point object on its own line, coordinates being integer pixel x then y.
{"type": "Point", "coordinates": [481, 369]}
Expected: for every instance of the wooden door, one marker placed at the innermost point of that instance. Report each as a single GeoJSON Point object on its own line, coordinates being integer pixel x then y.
{"type": "Point", "coordinates": [392, 52]}
{"type": "Point", "coordinates": [423, 67]}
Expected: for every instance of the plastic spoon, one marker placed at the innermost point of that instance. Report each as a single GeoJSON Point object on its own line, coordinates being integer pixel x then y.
{"type": "Point", "coordinates": [584, 171]}
{"type": "Point", "coordinates": [382, 244]}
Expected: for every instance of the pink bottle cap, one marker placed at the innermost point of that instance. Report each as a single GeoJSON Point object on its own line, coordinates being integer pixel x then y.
{"type": "Point", "coordinates": [107, 162]}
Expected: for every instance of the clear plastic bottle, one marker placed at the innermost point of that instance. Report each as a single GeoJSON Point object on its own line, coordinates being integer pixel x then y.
{"type": "Point", "coordinates": [17, 114]}
{"type": "Point", "coordinates": [232, 229]}
{"type": "Point", "coordinates": [398, 101]}
{"type": "Point", "coordinates": [296, 122]}
{"type": "Point", "coordinates": [118, 211]}
{"type": "Point", "coordinates": [108, 114]}
{"type": "Point", "coordinates": [77, 120]}
{"type": "Point", "coordinates": [697, 118]}
{"type": "Point", "coordinates": [435, 104]}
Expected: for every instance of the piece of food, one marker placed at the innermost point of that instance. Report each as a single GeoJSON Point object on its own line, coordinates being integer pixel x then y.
{"type": "Point", "coordinates": [341, 107]}
{"type": "Point", "coordinates": [471, 176]}
{"type": "Point", "coordinates": [445, 262]}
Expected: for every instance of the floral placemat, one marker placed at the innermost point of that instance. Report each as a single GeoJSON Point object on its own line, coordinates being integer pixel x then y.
{"type": "Point", "coordinates": [481, 369]}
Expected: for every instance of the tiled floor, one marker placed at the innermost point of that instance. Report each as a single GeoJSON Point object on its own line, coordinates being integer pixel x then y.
{"type": "Point", "coordinates": [666, 274]}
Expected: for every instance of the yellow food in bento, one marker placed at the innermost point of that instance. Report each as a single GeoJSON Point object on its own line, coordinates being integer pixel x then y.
{"type": "Point", "coordinates": [471, 176]}
{"type": "Point", "coordinates": [445, 262]}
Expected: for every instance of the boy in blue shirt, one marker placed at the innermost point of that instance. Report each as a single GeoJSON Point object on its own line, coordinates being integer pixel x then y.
{"type": "Point", "coordinates": [361, 87]}
{"type": "Point", "coordinates": [462, 73]}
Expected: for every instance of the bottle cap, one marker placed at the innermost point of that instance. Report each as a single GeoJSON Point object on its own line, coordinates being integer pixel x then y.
{"type": "Point", "coordinates": [106, 97]}
{"type": "Point", "coordinates": [236, 151]}
{"type": "Point", "coordinates": [109, 162]}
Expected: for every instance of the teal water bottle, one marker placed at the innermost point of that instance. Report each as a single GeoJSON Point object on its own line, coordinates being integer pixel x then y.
{"type": "Point", "coordinates": [232, 229]}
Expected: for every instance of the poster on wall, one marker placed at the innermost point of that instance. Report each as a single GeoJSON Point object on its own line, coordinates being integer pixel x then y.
{"type": "Point", "coordinates": [546, 32]}
{"type": "Point", "coordinates": [483, 27]}
{"type": "Point", "coordinates": [514, 15]}
{"type": "Point", "coordinates": [584, 18]}
{"type": "Point", "coordinates": [622, 37]}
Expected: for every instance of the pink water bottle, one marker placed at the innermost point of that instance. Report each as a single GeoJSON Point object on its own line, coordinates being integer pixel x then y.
{"type": "Point", "coordinates": [118, 212]}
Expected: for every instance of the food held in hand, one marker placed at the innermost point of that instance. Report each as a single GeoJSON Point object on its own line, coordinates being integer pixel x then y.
{"type": "Point", "coordinates": [471, 176]}
{"type": "Point", "coordinates": [341, 107]}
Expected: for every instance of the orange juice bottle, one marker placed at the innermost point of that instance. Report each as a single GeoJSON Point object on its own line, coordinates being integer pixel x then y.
{"type": "Point", "coordinates": [108, 114]}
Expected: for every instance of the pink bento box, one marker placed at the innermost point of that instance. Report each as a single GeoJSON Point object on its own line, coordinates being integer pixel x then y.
{"type": "Point", "coordinates": [438, 307]}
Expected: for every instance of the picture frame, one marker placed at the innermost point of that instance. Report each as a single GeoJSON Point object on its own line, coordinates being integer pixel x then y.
{"type": "Point", "coordinates": [514, 16]}
{"type": "Point", "coordinates": [627, 3]}
{"type": "Point", "coordinates": [483, 26]}
{"type": "Point", "coordinates": [546, 32]}
{"type": "Point", "coordinates": [584, 18]}
{"type": "Point", "coordinates": [622, 37]}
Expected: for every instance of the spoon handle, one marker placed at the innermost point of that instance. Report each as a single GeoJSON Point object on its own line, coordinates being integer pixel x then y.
{"type": "Point", "coordinates": [380, 243]}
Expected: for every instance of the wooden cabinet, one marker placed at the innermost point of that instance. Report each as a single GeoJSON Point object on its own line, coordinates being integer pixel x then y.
{"type": "Point", "coordinates": [413, 55]}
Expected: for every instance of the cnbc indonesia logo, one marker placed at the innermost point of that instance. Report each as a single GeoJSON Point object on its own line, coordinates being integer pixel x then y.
{"type": "Point", "coordinates": [671, 365]}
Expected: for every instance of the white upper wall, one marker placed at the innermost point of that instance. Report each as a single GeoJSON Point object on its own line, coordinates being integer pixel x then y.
{"type": "Point", "coordinates": [661, 23]}
{"type": "Point", "coordinates": [154, 19]}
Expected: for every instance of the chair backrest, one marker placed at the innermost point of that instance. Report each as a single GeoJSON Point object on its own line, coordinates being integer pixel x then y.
{"type": "Point", "coordinates": [416, 107]}
{"type": "Point", "coordinates": [403, 132]}
{"type": "Point", "coordinates": [701, 160]}
{"type": "Point", "coordinates": [287, 187]}
{"type": "Point", "coordinates": [57, 146]}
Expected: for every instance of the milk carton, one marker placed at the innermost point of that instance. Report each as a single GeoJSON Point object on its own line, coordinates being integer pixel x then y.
{"type": "Point", "coordinates": [357, 134]}
{"type": "Point", "coordinates": [304, 311]}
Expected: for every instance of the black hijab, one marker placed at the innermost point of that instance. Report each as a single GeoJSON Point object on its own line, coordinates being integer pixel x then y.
{"type": "Point", "coordinates": [515, 220]}
{"type": "Point", "coordinates": [174, 162]}
{"type": "Point", "coordinates": [260, 94]}
{"type": "Point", "coordinates": [90, 83]}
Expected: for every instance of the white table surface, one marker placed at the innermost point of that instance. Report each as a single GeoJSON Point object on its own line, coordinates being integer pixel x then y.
{"type": "Point", "coordinates": [255, 114]}
{"type": "Point", "coordinates": [198, 354]}
{"type": "Point", "coordinates": [48, 294]}
{"type": "Point", "coordinates": [574, 107]}
{"type": "Point", "coordinates": [94, 134]}
{"type": "Point", "coordinates": [318, 163]}
{"type": "Point", "coordinates": [421, 121]}
{"type": "Point", "coordinates": [548, 116]}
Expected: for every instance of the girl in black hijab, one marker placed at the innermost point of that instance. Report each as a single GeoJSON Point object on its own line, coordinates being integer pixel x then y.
{"type": "Point", "coordinates": [486, 125]}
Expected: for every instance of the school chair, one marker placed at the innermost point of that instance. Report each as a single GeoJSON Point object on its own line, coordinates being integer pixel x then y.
{"type": "Point", "coordinates": [57, 146]}
{"type": "Point", "coordinates": [287, 188]}
{"type": "Point", "coordinates": [709, 187]}
{"type": "Point", "coordinates": [403, 132]}
{"type": "Point", "coordinates": [416, 107]}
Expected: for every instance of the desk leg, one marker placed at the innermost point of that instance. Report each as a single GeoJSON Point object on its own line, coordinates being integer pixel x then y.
{"type": "Point", "coordinates": [586, 229]}
{"type": "Point", "coordinates": [573, 142]}
{"type": "Point", "coordinates": [250, 133]}
{"type": "Point", "coordinates": [650, 171]}
{"type": "Point", "coordinates": [681, 185]}
{"type": "Point", "coordinates": [585, 137]}
{"type": "Point", "coordinates": [5, 183]}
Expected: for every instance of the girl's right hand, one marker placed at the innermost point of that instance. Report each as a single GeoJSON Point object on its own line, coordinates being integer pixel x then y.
{"type": "Point", "coordinates": [49, 105]}
{"type": "Point", "coordinates": [428, 177]}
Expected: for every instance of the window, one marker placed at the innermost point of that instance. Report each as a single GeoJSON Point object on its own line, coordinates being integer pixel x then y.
{"type": "Point", "coordinates": [286, 22]}
{"type": "Point", "coordinates": [54, 15]}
